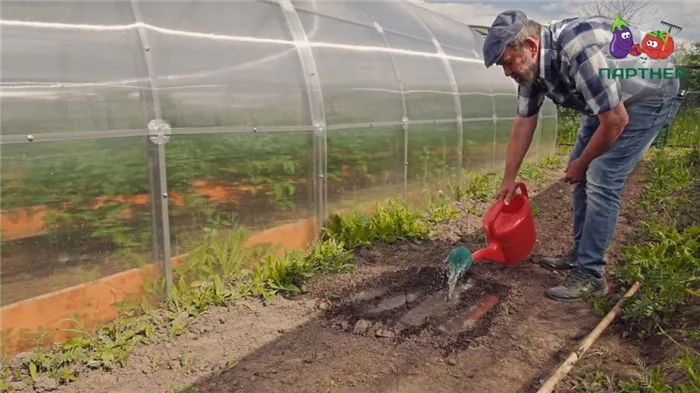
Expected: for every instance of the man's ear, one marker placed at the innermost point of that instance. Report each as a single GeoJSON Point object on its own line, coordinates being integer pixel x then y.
{"type": "Point", "coordinates": [532, 46]}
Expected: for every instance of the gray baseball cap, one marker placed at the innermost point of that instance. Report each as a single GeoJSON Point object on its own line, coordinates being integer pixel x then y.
{"type": "Point", "coordinates": [503, 30]}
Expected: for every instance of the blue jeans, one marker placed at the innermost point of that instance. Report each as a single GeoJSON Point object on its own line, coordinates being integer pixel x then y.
{"type": "Point", "coordinates": [596, 201]}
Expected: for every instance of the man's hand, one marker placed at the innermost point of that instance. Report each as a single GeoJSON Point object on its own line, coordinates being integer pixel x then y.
{"type": "Point", "coordinates": [612, 124]}
{"type": "Point", "coordinates": [575, 172]}
{"type": "Point", "coordinates": [505, 193]}
{"type": "Point", "coordinates": [518, 144]}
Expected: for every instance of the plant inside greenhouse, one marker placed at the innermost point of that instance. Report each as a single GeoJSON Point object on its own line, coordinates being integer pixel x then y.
{"type": "Point", "coordinates": [330, 196]}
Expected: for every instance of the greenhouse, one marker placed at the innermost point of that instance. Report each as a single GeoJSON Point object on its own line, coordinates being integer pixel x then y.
{"type": "Point", "coordinates": [155, 148]}
{"type": "Point", "coordinates": [125, 127]}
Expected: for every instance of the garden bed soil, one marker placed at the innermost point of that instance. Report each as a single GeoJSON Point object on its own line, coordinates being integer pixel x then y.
{"type": "Point", "coordinates": [346, 334]}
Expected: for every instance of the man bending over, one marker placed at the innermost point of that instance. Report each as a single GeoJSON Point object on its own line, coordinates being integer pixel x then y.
{"type": "Point", "coordinates": [621, 118]}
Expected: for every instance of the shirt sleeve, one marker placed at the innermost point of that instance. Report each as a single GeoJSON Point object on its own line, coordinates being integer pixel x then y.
{"type": "Point", "coordinates": [584, 48]}
{"type": "Point", "coordinates": [530, 99]}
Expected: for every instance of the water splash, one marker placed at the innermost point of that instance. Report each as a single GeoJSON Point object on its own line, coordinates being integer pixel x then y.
{"type": "Point", "coordinates": [452, 278]}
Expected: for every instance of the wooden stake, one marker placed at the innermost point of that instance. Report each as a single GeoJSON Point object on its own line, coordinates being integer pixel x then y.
{"type": "Point", "coordinates": [568, 364]}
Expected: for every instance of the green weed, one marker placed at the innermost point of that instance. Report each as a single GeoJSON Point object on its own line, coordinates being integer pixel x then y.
{"type": "Point", "coordinates": [440, 210]}
{"type": "Point", "coordinates": [330, 256]}
{"type": "Point", "coordinates": [287, 274]}
{"type": "Point", "coordinates": [483, 186]}
{"type": "Point", "coordinates": [478, 187]}
{"type": "Point", "coordinates": [390, 222]}
{"type": "Point", "coordinates": [223, 256]}
{"type": "Point", "coordinates": [396, 221]}
{"type": "Point", "coordinates": [532, 173]}
{"type": "Point", "coordinates": [213, 275]}
{"type": "Point", "coordinates": [668, 268]}
{"type": "Point", "coordinates": [552, 162]}
{"type": "Point", "coordinates": [655, 379]}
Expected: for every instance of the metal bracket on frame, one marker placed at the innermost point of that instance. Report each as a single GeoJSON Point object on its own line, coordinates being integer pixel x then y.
{"type": "Point", "coordinates": [159, 131]}
{"type": "Point", "coordinates": [319, 129]}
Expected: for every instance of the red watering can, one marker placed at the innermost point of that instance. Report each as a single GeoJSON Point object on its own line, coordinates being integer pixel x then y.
{"type": "Point", "coordinates": [510, 230]}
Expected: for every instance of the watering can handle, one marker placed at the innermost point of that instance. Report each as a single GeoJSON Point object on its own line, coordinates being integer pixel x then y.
{"type": "Point", "coordinates": [497, 211]}
{"type": "Point", "coordinates": [523, 189]}
{"type": "Point", "coordinates": [500, 204]}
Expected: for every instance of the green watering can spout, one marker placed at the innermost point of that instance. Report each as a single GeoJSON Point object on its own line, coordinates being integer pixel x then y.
{"type": "Point", "coordinates": [459, 260]}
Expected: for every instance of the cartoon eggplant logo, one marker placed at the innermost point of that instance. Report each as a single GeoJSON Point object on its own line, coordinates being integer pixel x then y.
{"type": "Point", "coordinates": [622, 42]}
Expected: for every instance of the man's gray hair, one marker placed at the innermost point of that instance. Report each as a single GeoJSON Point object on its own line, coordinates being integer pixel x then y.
{"type": "Point", "coordinates": [532, 29]}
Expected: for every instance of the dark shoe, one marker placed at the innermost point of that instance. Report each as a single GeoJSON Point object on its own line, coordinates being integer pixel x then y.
{"type": "Point", "coordinates": [577, 285]}
{"type": "Point", "coordinates": [565, 262]}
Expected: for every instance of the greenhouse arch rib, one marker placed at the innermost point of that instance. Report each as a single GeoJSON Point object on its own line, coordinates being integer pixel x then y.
{"type": "Point", "coordinates": [157, 176]}
{"type": "Point", "coordinates": [316, 107]}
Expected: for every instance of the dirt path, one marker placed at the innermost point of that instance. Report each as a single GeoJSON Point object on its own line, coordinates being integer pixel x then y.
{"type": "Point", "coordinates": [354, 332]}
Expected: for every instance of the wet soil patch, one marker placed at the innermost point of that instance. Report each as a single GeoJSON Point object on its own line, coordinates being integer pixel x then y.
{"type": "Point", "coordinates": [412, 304]}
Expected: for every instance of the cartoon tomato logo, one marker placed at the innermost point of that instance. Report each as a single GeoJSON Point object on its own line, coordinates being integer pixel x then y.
{"type": "Point", "coordinates": [657, 45]}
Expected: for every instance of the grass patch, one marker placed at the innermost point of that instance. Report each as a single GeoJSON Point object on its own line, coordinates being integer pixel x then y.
{"type": "Point", "coordinates": [685, 129]}
{"type": "Point", "coordinates": [666, 262]}
{"type": "Point", "coordinates": [390, 222]}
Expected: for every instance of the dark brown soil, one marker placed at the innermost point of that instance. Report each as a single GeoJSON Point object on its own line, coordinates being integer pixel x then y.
{"type": "Point", "coordinates": [412, 304]}
{"type": "Point", "coordinates": [313, 343]}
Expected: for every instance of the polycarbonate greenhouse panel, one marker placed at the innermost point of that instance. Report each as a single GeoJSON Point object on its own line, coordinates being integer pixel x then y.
{"type": "Point", "coordinates": [71, 67]}
{"type": "Point", "coordinates": [478, 145]}
{"type": "Point", "coordinates": [364, 165]}
{"type": "Point", "coordinates": [503, 128]}
{"type": "Point", "coordinates": [224, 64]}
{"type": "Point", "coordinates": [110, 67]}
{"type": "Point", "coordinates": [254, 180]}
{"type": "Point", "coordinates": [432, 154]}
{"type": "Point", "coordinates": [398, 17]}
{"type": "Point", "coordinates": [359, 86]}
{"type": "Point", "coordinates": [474, 87]}
{"type": "Point", "coordinates": [73, 212]}
{"type": "Point", "coordinates": [548, 138]}
{"type": "Point", "coordinates": [455, 39]}
{"type": "Point", "coordinates": [427, 86]}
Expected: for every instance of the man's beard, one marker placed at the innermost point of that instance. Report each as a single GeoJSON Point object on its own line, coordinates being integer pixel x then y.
{"type": "Point", "coordinates": [529, 73]}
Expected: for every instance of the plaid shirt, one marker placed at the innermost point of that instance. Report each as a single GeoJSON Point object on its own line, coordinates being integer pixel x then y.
{"type": "Point", "coordinates": [572, 53]}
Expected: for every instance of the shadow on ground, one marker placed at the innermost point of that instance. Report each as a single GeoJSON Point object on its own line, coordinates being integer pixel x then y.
{"type": "Point", "coordinates": [368, 336]}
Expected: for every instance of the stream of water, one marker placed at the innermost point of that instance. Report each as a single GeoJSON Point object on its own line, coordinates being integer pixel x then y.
{"type": "Point", "coordinates": [452, 278]}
